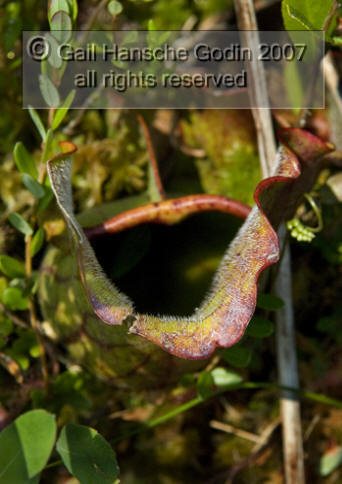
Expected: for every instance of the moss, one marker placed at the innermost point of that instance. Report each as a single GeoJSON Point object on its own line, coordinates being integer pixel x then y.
{"type": "Point", "coordinates": [231, 164]}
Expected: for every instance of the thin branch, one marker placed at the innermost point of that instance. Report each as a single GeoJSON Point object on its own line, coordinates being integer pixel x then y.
{"type": "Point", "coordinates": [155, 183]}
{"type": "Point", "coordinates": [33, 315]}
{"type": "Point", "coordinates": [286, 347]}
{"type": "Point", "coordinates": [265, 440]}
{"type": "Point", "coordinates": [288, 371]}
{"type": "Point", "coordinates": [257, 85]}
{"type": "Point", "coordinates": [230, 429]}
{"type": "Point", "coordinates": [13, 317]}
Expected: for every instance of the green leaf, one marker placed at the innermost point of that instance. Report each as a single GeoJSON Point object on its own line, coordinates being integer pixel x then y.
{"type": "Point", "coordinates": [25, 447]}
{"type": "Point", "coordinates": [20, 223]}
{"type": "Point", "coordinates": [74, 9]}
{"type": "Point", "coordinates": [269, 302]}
{"type": "Point", "coordinates": [33, 186]}
{"type": "Point", "coordinates": [63, 110]}
{"type": "Point", "coordinates": [24, 160]}
{"type": "Point", "coordinates": [38, 122]}
{"type": "Point", "coordinates": [47, 152]}
{"type": "Point", "coordinates": [11, 267]}
{"type": "Point", "coordinates": [61, 26]}
{"type": "Point", "coordinates": [58, 5]}
{"type": "Point", "coordinates": [238, 356]}
{"type": "Point", "coordinates": [305, 15]}
{"type": "Point", "coordinates": [204, 385]}
{"type": "Point", "coordinates": [330, 461]}
{"type": "Point", "coordinates": [329, 324]}
{"type": "Point", "coordinates": [6, 327]}
{"type": "Point", "coordinates": [49, 91]}
{"type": "Point", "coordinates": [260, 327]}
{"type": "Point", "coordinates": [37, 241]}
{"type": "Point", "coordinates": [14, 299]}
{"type": "Point", "coordinates": [54, 59]}
{"type": "Point", "coordinates": [114, 7]}
{"type": "Point", "coordinates": [151, 25]}
{"type": "Point", "coordinates": [225, 378]}
{"type": "Point", "coordinates": [87, 455]}
{"type": "Point", "coordinates": [44, 202]}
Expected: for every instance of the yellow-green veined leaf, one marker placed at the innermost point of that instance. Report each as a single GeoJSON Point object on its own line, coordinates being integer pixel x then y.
{"type": "Point", "coordinates": [223, 316]}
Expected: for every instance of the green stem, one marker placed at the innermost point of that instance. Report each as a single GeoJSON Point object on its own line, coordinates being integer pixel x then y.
{"type": "Point", "coordinates": [317, 397]}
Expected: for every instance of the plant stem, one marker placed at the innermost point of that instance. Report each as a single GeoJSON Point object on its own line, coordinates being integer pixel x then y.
{"type": "Point", "coordinates": [286, 348]}
{"type": "Point", "coordinates": [155, 185]}
{"type": "Point", "coordinates": [33, 315]}
{"type": "Point", "coordinates": [258, 96]}
{"type": "Point", "coordinates": [317, 397]}
{"type": "Point", "coordinates": [288, 371]}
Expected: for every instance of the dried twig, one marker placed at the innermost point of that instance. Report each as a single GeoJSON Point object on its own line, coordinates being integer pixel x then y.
{"type": "Point", "coordinates": [288, 371]}
{"type": "Point", "coordinates": [230, 429]}
{"type": "Point", "coordinates": [257, 85]}
{"type": "Point", "coordinates": [13, 317]}
{"type": "Point", "coordinates": [156, 187]}
{"type": "Point", "coordinates": [264, 441]}
{"type": "Point", "coordinates": [33, 315]}
{"type": "Point", "coordinates": [286, 349]}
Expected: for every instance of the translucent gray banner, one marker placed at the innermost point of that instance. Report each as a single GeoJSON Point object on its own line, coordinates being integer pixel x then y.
{"type": "Point", "coordinates": [170, 69]}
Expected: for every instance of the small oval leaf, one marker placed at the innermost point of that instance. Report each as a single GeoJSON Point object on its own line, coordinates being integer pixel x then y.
{"type": "Point", "coordinates": [24, 160]}
{"type": "Point", "coordinates": [20, 223]}
{"type": "Point", "coordinates": [63, 110]}
{"type": "Point", "coordinates": [260, 327]}
{"type": "Point", "coordinates": [11, 267]}
{"type": "Point", "coordinates": [330, 461]}
{"type": "Point", "coordinates": [87, 455]}
{"type": "Point", "coordinates": [25, 446]}
{"type": "Point", "coordinates": [238, 356]}
{"type": "Point", "coordinates": [222, 377]}
{"type": "Point", "coordinates": [204, 385]}
{"type": "Point", "coordinates": [61, 26]}
{"type": "Point", "coordinates": [14, 299]}
{"type": "Point", "coordinates": [38, 122]}
{"type": "Point", "coordinates": [49, 91]}
{"type": "Point", "coordinates": [37, 241]}
{"type": "Point", "coordinates": [33, 186]}
{"type": "Point", "coordinates": [114, 7]}
{"type": "Point", "coordinates": [269, 302]}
